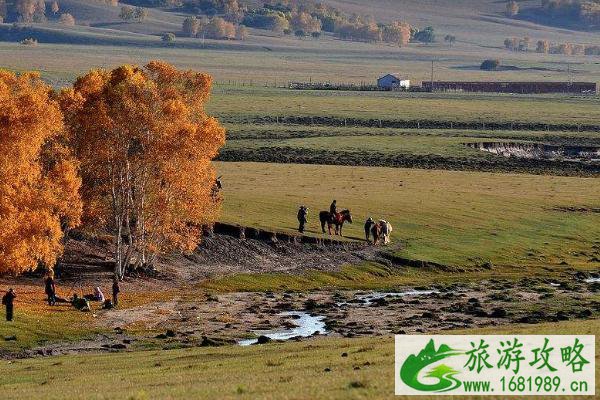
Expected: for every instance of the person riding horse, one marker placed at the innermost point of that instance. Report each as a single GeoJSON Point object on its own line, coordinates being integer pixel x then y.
{"type": "Point", "coordinates": [338, 219]}
{"type": "Point", "coordinates": [333, 208]}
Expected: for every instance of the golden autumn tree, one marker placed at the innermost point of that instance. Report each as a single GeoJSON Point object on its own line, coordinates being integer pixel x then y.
{"type": "Point", "coordinates": [39, 195]}
{"type": "Point", "coordinates": [145, 143]}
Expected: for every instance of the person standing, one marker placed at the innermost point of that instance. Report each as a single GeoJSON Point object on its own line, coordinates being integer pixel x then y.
{"type": "Point", "coordinates": [8, 301]}
{"type": "Point", "coordinates": [368, 224]}
{"type": "Point", "coordinates": [302, 218]}
{"type": "Point", "coordinates": [115, 291]}
{"type": "Point", "coordinates": [50, 289]}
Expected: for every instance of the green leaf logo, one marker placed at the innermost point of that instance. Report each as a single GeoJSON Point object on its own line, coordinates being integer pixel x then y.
{"type": "Point", "coordinates": [409, 372]}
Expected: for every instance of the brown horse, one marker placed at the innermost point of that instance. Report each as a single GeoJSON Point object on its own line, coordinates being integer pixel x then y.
{"type": "Point", "coordinates": [337, 219]}
{"type": "Point", "coordinates": [376, 233]}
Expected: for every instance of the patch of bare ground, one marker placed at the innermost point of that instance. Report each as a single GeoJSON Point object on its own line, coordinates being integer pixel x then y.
{"type": "Point", "coordinates": [577, 209]}
{"type": "Point", "coordinates": [88, 262]}
{"type": "Point", "coordinates": [208, 320]}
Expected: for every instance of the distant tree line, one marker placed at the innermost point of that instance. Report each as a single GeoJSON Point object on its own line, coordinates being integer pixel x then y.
{"type": "Point", "coordinates": [586, 12]}
{"type": "Point", "coordinates": [213, 28]}
{"type": "Point", "coordinates": [300, 18]}
{"type": "Point", "coordinates": [37, 11]}
{"type": "Point", "coordinates": [546, 47]}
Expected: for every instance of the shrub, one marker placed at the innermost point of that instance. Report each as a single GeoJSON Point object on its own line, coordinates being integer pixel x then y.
{"type": "Point", "coordinates": [29, 42]}
{"type": "Point", "coordinates": [426, 35]}
{"type": "Point", "coordinates": [490, 65]}
{"type": "Point", "coordinates": [66, 19]}
{"type": "Point", "coordinates": [168, 37]}
{"type": "Point", "coordinates": [512, 8]}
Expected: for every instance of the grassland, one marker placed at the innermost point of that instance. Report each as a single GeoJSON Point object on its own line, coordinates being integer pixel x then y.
{"type": "Point", "coordinates": [450, 143]}
{"type": "Point", "coordinates": [455, 218]}
{"type": "Point", "coordinates": [283, 371]}
{"type": "Point", "coordinates": [238, 103]}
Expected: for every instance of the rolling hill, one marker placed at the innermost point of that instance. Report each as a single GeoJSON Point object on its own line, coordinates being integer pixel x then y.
{"type": "Point", "coordinates": [480, 27]}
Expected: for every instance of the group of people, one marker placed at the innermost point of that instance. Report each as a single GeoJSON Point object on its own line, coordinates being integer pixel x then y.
{"type": "Point", "coordinates": [379, 230]}
{"type": "Point", "coordinates": [303, 215]}
{"type": "Point", "coordinates": [80, 303]}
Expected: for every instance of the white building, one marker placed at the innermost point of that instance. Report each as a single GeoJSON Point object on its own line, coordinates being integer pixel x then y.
{"type": "Point", "coordinates": [392, 82]}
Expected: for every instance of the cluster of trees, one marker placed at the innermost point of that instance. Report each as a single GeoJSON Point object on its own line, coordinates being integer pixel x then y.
{"type": "Point", "coordinates": [30, 11]}
{"type": "Point", "coordinates": [309, 18]}
{"type": "Point", "coordinates": [517, 44]}
{"type": "Point", "coordinates": [213, 28]}
{"type": "Point", "coordinates": [23, 10]}
{"type": "Point", "coordinates": [128, 13]}
{"type": "Point", "coordinates": [125, 152]}
{"type": "Point", "coordinates": [546, 47]}
{"type": "Point", "coordinates": [569, 49]}
{"type": "Point", "coordinates": [583, 11]}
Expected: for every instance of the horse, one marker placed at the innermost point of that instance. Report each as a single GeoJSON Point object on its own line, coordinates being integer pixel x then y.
{"type": "Point", "coordinates": [381, 230]}
{"type": "Point", "coordinates": [337, 220]}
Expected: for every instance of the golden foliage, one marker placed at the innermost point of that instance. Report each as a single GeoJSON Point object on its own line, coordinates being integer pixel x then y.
{"type": "Point", "coordinates": [39, 187]}
{"type": "Point", "coordinates": [145, 145]}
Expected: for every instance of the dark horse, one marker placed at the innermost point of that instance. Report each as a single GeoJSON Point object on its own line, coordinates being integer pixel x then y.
{"type": "Point", "coordinates": [335, 219]}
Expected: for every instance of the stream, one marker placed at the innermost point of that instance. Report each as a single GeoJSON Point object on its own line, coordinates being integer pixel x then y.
{"type": "Point", "coordinates": [307, 325]}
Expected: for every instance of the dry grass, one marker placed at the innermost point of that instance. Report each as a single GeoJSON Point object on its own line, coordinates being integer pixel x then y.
{"type": "Point", "coordinates": [282, 371]}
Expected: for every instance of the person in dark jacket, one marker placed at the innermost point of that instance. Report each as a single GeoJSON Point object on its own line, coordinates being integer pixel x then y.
{"type": "Point", "coordinates": [50, 289]}
{"type": "Point", "coordinates": [333, 208]}
{"type": "Point", "coordinates": [8, 301]}
{"type": "Point", "coordinates": [368, 224]}
{"type": "Point", "coordinates": [80, 303]}
{"type": "Point", "coordinates": [302, 218]}
{"type": "Point", "coordinates": [115, 292]}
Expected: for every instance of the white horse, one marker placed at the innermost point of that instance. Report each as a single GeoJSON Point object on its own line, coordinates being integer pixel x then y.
{"type": "Point", "coordinates": [386, 231]}
{"type": "Point", "coordinates": [381, 230]}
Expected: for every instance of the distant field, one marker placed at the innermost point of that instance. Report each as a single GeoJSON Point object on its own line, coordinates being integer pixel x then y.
{"type": "Point", "coordinates": [455, 218]}
{"type": "Point", "coordinates": [236, 103]}
{"type": "Point", "coordinates": [282, 371]}
{"type": "Point", "coordinates": [409, 141]}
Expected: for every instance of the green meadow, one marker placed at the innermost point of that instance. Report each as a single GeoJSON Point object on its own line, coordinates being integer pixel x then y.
{"type": "Point", "coordinates": [450, 217]}
{"type": "Point", "coordinates": [304, 370]}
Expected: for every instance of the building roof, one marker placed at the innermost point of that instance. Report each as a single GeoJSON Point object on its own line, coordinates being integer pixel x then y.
{"type": "Point", "coordinates": [392, 75]}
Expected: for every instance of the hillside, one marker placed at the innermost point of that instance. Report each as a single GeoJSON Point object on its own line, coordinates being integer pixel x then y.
{"type": "Point", "coordinates": [101, 15]}
{"type": "Point", "coordinates": [481, 22]}
{"type": "Point", "coordinates": [480, 29]}
{"type": "Point", "coordinates": [474, 23]}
